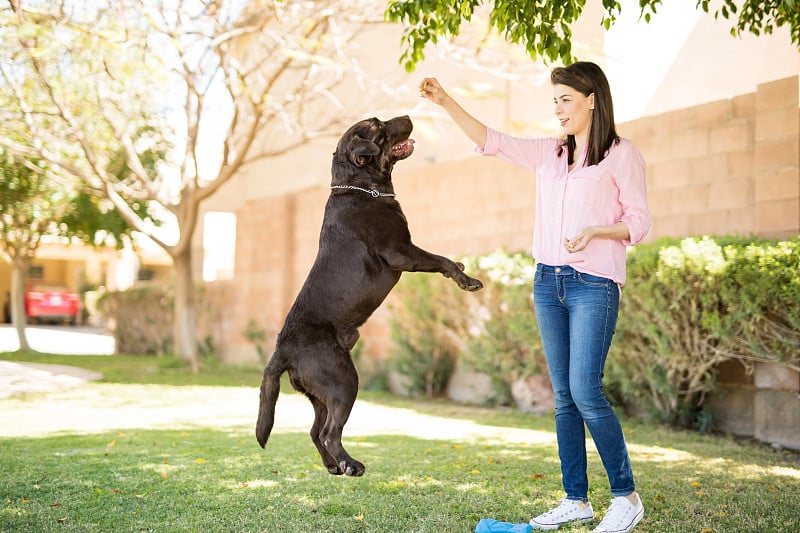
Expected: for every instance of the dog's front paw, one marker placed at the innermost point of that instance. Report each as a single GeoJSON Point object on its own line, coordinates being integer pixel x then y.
{"type": "Point", "coordinates": [471, 284]}
{"type": "Point", "coordinates": [351, 468]}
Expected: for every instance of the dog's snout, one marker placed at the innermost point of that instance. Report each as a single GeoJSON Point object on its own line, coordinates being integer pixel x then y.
{"type": "Point", "coordinates": [401, 126]}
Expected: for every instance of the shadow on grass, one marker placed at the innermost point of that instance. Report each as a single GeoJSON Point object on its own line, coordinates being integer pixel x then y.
{"type": "Point", "coordinates": [641, 432]}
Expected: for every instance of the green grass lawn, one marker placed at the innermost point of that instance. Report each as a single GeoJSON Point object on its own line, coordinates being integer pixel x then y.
{"type": "Point", "coordinates": [218, 479]}
{"type": "Point", "coordinates": [147, 369]}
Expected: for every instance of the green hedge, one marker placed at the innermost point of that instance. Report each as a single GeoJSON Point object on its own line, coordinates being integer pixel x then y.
{"type": "Point", "coordinates": [426, 328]}
{"type": "Point", "coordinates": [492, 331]}
{"type": "Point", "coordinates": [141, 317]}
{"type": "Point", "coordinates": [688, 306]}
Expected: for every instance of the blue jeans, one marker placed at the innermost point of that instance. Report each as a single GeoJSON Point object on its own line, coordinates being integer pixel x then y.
{"type": "Point", "coordinates": [577, 316]}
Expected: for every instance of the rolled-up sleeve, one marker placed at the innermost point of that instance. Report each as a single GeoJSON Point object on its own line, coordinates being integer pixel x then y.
{"type": "Point", "coordinates": [630, 175]}
{"type": "Point", "coordinates": [492, 145]}
{"type": "Point", "coordinates": [521, 151]}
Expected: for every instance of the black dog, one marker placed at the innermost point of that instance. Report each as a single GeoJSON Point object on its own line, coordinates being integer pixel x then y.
{"type": "Point", "coordinates": [364, 246]}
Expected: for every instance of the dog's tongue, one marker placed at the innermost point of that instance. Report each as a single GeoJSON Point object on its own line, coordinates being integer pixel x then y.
{"type": "Point", "coordinates": [404, 148]}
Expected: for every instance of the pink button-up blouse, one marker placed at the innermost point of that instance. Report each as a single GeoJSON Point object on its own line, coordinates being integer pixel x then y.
{"type": "Point", "coordinates": [569, 201]}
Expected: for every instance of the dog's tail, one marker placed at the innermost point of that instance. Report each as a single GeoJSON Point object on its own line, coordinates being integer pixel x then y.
{"type": "Point", "coordinates": [270, 387]}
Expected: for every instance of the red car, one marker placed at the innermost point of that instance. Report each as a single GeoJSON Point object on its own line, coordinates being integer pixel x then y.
{"type": "Point", "coordinates": [51, 302]}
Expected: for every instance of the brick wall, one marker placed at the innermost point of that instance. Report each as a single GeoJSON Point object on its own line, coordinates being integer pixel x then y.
{"type": "Point", "coordinates": [777, 150]}
{"type": "Point", "coordinates": [264, 263]}
{"type": "Point", "coordinates": [725, 167]}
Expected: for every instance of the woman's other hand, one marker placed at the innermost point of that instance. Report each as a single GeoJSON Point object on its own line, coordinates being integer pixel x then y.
{"type": "Point", "coordinates": [579, 242]}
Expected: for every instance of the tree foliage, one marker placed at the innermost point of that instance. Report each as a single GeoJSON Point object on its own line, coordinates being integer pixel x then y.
{"type": "Point", "coordinates": [34, 206]}
{"type": "Point", "coordinates": [543, 27]}
{"type": "Point", "coordinates": [31, 207]}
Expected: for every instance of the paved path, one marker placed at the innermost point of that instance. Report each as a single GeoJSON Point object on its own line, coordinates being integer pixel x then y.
{"type": "Point", "coordinates": [59, 339]}
{"type": "Point", "coordinates": [18, 378]}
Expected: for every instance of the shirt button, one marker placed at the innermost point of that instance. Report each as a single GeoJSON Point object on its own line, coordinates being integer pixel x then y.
{"type": "Point", "coordinates": [558, 269]}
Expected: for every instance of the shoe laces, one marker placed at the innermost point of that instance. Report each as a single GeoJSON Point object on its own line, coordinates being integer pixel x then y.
{"type": "Point", "coordinates": [618, 511]}
{"type": "Point", "coordinates": [565, 508]}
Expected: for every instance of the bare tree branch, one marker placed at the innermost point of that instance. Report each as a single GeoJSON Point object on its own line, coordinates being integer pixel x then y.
{"type": "Point", "coordinates": [223, 84]}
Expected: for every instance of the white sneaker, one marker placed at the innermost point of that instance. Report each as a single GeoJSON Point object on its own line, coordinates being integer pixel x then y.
{"type": "Point", "coordinates": [567, 511]}
{"type": "Point", "coordinates": [621, 516]}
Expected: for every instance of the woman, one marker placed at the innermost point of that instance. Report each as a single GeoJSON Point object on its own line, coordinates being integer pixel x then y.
{"type": "Point", "coordinates": [591, 203]}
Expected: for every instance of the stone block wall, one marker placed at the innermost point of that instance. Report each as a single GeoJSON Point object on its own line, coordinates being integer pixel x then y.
{"type": "Point", "coordinates": [264, 262]}
{"type": "Point", "coordinates": [725, 167]}
{"type": "Point", "coordinates": [777, 151]}
{"type": "Point", "coordinates": [776, 405]}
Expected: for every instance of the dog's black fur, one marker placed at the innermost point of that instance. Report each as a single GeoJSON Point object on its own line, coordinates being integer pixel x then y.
{"type": "Point", "coordinates": [364, 246]}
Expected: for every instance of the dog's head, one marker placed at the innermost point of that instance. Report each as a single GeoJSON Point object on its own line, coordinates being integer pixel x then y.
{"type": "Point", "coordinates": [368, 150]}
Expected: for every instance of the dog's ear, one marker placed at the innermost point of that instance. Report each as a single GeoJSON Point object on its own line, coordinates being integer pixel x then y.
{"type": "Point", "coordinates": [359, 148]}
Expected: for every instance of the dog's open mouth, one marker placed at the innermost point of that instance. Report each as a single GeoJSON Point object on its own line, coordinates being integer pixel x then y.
{"type": "Point", "coordinates": [403, 149]}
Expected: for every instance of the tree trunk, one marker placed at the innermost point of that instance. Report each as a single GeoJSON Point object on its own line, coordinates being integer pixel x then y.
{"type": "Point", "coordinates": [184, 325]}
{"type": "Point", "coordinates": [18, 269]}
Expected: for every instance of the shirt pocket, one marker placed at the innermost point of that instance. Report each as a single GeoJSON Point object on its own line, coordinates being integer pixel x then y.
{"type": "Point", "coordinates": [589, 187]}
{"type": "Point", "coordinates": [549, 173]}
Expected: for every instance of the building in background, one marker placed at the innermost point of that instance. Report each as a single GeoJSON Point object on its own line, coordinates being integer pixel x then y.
{"type": "Point", "coordinates": [84, 269]}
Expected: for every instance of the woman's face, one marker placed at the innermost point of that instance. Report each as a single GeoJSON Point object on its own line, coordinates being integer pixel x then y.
{"type": "Point", "coordinates": [573, 110]}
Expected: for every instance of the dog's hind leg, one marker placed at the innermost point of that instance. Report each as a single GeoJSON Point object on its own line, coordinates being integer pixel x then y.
{"type": "Point", "coordinates": [320, 416]}
{"type": "Point", "coordinates": [331, 437]}
{"type": "Point", "coordinates": [339, 396]}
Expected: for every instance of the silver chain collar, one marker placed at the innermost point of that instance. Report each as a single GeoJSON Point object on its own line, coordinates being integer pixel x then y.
{"type": "Point", "coordinates": [372, 192]}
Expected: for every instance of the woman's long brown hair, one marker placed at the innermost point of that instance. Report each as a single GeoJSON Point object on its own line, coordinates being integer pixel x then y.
{"type": "Point", "coordinates": [587, 78]}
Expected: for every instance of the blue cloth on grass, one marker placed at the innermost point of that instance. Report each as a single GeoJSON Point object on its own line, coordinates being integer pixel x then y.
{"type": "Point", "coordinates": [490, 525]}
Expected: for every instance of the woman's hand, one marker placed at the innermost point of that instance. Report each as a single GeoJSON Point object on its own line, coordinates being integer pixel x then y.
{"type": "Point", "coordinates": [432, 90]}
{"type": "Point", "coordinates": [580, 241]}
{"type": "Point", "coordinates": [472, 127]}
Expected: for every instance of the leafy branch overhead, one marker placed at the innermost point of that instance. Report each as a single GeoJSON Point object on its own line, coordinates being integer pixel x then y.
{"type": "Point", "coordinates": [543, 27]}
